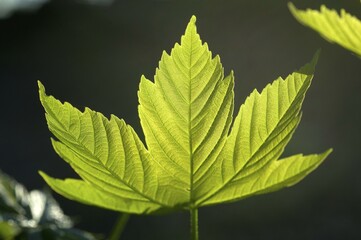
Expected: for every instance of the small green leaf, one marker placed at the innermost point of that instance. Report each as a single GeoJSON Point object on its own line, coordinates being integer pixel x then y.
{"type": "Point", "coordinates": [343, 29]}
{"type": "Point", "coordinates": [192, 156]}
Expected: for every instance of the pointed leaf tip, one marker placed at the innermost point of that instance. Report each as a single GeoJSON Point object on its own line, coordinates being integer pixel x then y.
{"type": "Point", "coordinates": [44, 176]}
{"type": "Point", "coordinates": [42, 93]}
{"type": "Point", "coordinates": [309, 68]}
{"type": "Point", "coordinates": [192, 24]}
{"type": "Point", "coordinates": [329, 151]}
{"type": "Point", "coordinates": [41, 173]}
{"type": "Point", "coordinates": [291, 7]}
{"type": "Point", "coordinates": [41, 86]}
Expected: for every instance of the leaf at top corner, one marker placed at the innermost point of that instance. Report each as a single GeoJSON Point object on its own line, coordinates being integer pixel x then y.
{"type": "Point", "coordinates": [191, 157]}
{"type": "Point", "coordinates": [343, 29]}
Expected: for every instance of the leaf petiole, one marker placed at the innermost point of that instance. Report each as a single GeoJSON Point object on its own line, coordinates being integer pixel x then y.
{"type": "Point", "coordinates": [194, 223]}
{"type": "Point", "coordinates": [119, 226]}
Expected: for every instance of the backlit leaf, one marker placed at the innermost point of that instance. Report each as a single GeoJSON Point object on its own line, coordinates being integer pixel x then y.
{"type": "Point", "coordinates": [192, 155]}
{"type": "Point", "coordinates": [343, 29]}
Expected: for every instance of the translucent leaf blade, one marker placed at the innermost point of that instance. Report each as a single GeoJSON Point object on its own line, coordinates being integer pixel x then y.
{"type": "Point", "coordinates": [263, 127]}
{"type": "Point", "coordinates": [343, 29]}
{"type": "Point", "coordinates": [278, 174]}
{"type": "Point", "coordinates": [186, 112]}
{"type": "Point", "coordinates": [191, 159]}
{"type": "Point", "coordinates": [84, 192]}
{"type": "Point", "coordinates": [107, 153]}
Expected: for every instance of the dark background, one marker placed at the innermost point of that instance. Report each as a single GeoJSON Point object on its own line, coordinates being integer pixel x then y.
{"type": "Point", "coordinates": [94, 55]}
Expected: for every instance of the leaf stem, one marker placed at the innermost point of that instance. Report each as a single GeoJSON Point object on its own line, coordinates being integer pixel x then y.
{"type": "Point", "coordinates": [119, 226]}
{"type": "Point", "coordinates": [194, 223]}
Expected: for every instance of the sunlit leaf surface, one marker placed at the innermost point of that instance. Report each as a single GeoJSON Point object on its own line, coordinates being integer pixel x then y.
{"type": "Point", "coordinates": [192, 155]}
{"type": "Point", "coordinates": [343, 29]}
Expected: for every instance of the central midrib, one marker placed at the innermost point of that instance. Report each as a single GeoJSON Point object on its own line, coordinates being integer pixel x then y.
{"type": "Point", "coordinates": [190, 124]}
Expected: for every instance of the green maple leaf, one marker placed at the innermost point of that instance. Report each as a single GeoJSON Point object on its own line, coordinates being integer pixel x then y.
{"type": "Point", "coordinates": [191, 158]}
{"type": "Point", "coordinates": [343, 29]}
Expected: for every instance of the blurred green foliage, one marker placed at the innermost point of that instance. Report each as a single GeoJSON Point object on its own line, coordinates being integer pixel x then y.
{"type": "Point", "coordinates": [33, 215]}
